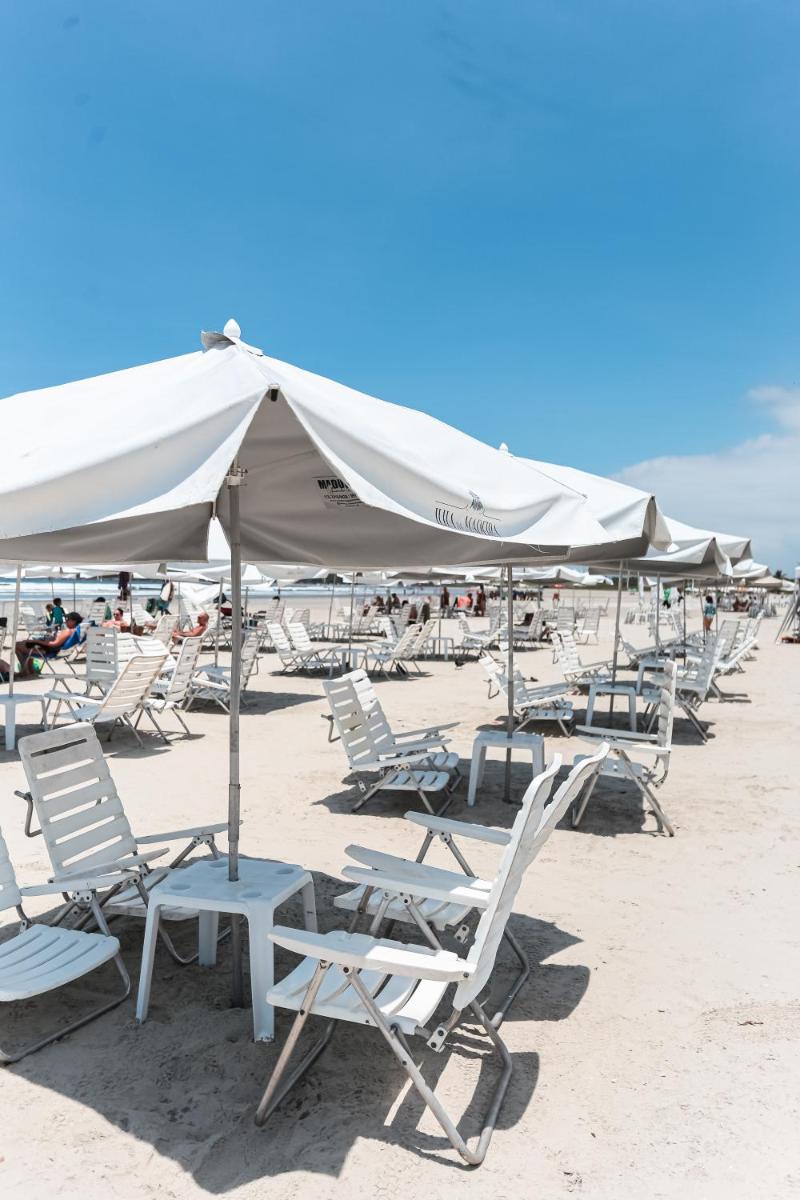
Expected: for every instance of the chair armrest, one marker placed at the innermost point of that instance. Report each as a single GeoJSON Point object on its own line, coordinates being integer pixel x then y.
{"type": "Point", "coordinates": [77, 883]}
{"type": "Point", "coordinates": [448, 887]}
{"type": "Point", "coordinates": [174, 834]}
{"type": "Point", "coordinates": [428, 730]}
{"type": "Point", "coordinates": [603, 731]}
{"type": "Point", "coordinates": [402, 760]}
{"type": "Point", "coordinates": [131, 862]}
{"type": "Point", "coordinates": [362, 952]}
{"type": "Point", "coordinates": [478, 833]}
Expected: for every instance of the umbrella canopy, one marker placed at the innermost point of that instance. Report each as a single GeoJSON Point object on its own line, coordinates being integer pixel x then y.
{"type": "Point", "coordinates": [631, 517]}
{"type": "Point", "coordinates": [333, 477]}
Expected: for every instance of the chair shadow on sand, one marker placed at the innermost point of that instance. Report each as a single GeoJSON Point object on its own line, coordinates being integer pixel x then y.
{"type": "Point", "coordinates": [615, 809]}
{"type": "Point", "coordinates": [187, 1082]}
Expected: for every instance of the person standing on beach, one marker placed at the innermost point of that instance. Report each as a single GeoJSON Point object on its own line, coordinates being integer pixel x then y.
{"type": "Point", "coordinates": [58, 614]}
{"type": "Point", "coordinates": [709, 612]}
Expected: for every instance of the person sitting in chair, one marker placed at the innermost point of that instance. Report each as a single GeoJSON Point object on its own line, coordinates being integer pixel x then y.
{"type": "Point", "coordinates": [30, 652]}
{"type": "Point", "coordinates": [196, 631]}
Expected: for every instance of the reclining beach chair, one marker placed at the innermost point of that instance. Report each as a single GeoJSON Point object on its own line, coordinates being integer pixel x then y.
{"type": "Point", "coordinates": [170, 693]}
{"type": "Point", "coordinates": [214, 683]}
{"type": "Point", "coordinates": [657, 746]}
{"type": "Point", "coordinates": [322, 658]}
{"type": "Point", "coordinates": [397, 988]}
{"type": "Point", "coordinates": [386, 656]}
{"type": "Point", "coordinates": [589, 626]}
{"type": "Point", "coordinates": [472, 642]}
{"type": "Point", "coordinates": [85, 829]}
{"type": "Point", "coordinates": [41, 958]}
{"type": "Point", "coordinates": [574, 671]}
{"type": "Point", "coordinates": [544, 703]}
{"type": "Point", "coordinates": [291, 658]}
{"type": "Point", "coordinates": [413, 892]}
{"type": "Point", "coordinates": [417, 763]}
{"type": "Point", "coordinates": [122, 702]}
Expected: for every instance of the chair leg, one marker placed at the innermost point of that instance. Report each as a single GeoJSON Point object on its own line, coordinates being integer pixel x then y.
{"type": "Point", "coordinates": [579, 807]}
{"type": "Point", "coordinates": [399, 1047]}
{"type": "Point", "coordinates": [7, 1059]}
{"type": "Point", "coordinates": [277, 1088]}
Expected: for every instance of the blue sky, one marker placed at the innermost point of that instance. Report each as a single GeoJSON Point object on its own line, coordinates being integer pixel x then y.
{"type": "Point", "coordinates": [572, 226]}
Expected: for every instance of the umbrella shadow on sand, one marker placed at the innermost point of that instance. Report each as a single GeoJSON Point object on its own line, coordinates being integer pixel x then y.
{"type": "Point", "coordinates": [187, 1082]}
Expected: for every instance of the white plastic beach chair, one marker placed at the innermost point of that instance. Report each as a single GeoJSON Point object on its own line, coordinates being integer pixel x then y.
{"type": "Point", "coordinates": [85, 829]}
{"type": "Point", "coordinates": [397, 989]}
{"type": "Point", "coordinates": [214, 683]}
{"type": "Point", "coordinates": [657, 746]}
{"type": "Point", "coordinates": [40, 958]}
{"type": "Point", "coordinates": [590, 625]}
{"type": "Point", "coordinates": [418, 764]}
{"type": "Point", "coordinates": [387, 655]}
{"type": "Point", "coordinates": [170, 693]}
{"type": "Point", "coordinates": [122, 702]}
{"type": "Point", "coordinates": [544, 703]}
{"type": "Point", "coordinates": [413, 892]}
{"type": "Point", "coordinates": [574, 671]}
{"type": "Point", "coordinates": [323, 658]}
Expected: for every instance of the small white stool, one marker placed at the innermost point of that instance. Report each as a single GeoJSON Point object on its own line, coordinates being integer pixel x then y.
{"type": "Point", "coordinates": [613, 689]}
{"type": "Point", "coordinates": [262, 886]}
{"type": "Point", "coordinates": [10, 703]}
{"type": "Point", "coordinates": [530, 743]}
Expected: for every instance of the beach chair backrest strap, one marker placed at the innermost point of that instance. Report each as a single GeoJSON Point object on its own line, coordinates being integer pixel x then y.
{"type": "Point", "coordinates": [407, 642]}
{"type": "Point", "coordinates": [280, 641]}
{"type": "Point", "coordinates": [10, 895]}
{"type": "Point", "coordinates": [516, 857]}
{"type": "Point", "coordinates": [81, 816]}
{"type": "Point", "coordinates": [299, 637]}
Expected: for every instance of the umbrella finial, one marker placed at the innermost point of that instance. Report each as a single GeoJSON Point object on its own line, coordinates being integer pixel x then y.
{"type": "Point", "coordinates": [231, 328]}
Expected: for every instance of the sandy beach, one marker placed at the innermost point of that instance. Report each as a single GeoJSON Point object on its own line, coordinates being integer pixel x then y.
{"type": "Point", "coordinates": [655, 1044]}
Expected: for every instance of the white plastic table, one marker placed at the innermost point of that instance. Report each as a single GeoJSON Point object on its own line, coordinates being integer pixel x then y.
{"type": "Point", "coordinates": [529, 743]}
{"type": "Point", "coordinates": [263, 885]}
{"type": "Point", "coordinates": [613, 689]}
{"type": "Point", "coordinates": [9, 704]}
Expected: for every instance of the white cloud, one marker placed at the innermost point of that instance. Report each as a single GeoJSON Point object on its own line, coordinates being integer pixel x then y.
{"type": "Point", "coordinates": [752, 489]}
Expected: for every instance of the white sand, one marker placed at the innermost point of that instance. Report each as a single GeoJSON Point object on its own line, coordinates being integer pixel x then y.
{"type": "Point", "coordinates": [655, 1044]}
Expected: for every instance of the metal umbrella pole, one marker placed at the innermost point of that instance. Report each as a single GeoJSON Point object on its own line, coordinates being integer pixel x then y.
{"type": "Point", "coordinates": [12, 658]}
{"type": "Point", "coordinates": [510, 676]}
{"type": "Point", "coordinates": [615, 654]}
{"type": "Point", "coordinates": [350, 629]}
{"type": "Point", "coordinates": [219, 616]}
{"type": "Point", "coordinates": [658, 614]}
{"type": "Point", "coordinates": [330, 606]}
{"type": "Point", "coordinates": [233, 482]}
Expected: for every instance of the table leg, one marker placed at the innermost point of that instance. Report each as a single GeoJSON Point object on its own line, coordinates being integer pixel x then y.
{"type": "Point", "coordinates": [590, 706]}
{"type": "Point", "coordinates": [11, 725]}
{"type": "Point", "coordinates": [473, 774]}
{"type": "Point", "coordinates": [148, 956]}
{"type": "Point", "coordinates": [309, 906]}
{"type": "Point", "coordinates": [632, 711]}
{"type": "Point", "coordinates": [207, 934]}
{"type": "Point", "coordinates": [261, 974]}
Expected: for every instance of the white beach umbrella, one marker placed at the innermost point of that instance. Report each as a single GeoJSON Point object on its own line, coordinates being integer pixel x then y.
{"type": "Point", "coordinates": [297, 467]}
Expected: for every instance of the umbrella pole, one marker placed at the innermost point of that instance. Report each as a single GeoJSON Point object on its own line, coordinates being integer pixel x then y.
{"type": "Point", "coordinates": [234, 481]}
{"type": "Point", "coordinates": [350, 630]}
{"type": "Point", "coordinates": [615, 654]}
{"type": "Point", "coordinates": [510, 676]}
{"type": "Point", "coordinates": [658, 614]}
{"type": "Point", "coordinates": [12, 658]}
{"type": "Point", "coordinates": [219, 613]}
{"type": "Point", "coordinates": [330, 607]}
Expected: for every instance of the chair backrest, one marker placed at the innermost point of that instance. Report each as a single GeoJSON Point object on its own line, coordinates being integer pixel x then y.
{"type": "Point", "coordinates": [298, 635]}
{"type": "Point", "coordinates": [97, 612]}
{"type": "Point", "coordinates": [10, 895]}
{"type": "Point", "coordinates": [102, 661]}
{"type": "Point", "coordinates": [281, 642]}
{"type": "Point", "coordinates": [566, 651]}
{"type": "Point", "coordinates": [184, 670]}
{"type": "Point", "coordinates": [359, 718]}
{"type": "Point", "coordinates": [81, 815]}
{"type": "Point", "coordinates": [666, 705]}
{"type": "Point", "coordinates": [249, 654]}
{"type": "Point", "coordinates": [426, 632]}
{"type": "Point", "coordinates": [386, 628]}
{"type": "Point", "coordinates": [517, 855]}
{"type": "Point", "coordinates": [165, 627]}
{"type": "Point", "coordinates": [591, 621]}
{"type": "Point", "coordinates": [405, 646]}
{"type": "Point", "coordinates": [131, 686]}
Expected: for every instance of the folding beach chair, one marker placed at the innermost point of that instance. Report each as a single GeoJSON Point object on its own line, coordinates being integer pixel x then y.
{"type": "Point", "coordinates": [85, 829]}
{"type": "Point", "coordinates": [171, 693]}
{"type": "Point", "coordinates": [214, 683]}
{"type": "Point", "coordinates": [417, 763]}
{"type": "Point", "coordinates": [397, 889]}
{"type": "Point", "coordinates": [544, 703]}
{"type": "Point", "coordinates": [656, 746]}
{"type": "Point", "coordinates": [122, 702]}
{"type": "Point", "coordinates": [41, 958]}
{"type": "Point", "coordinates": [396, 988]}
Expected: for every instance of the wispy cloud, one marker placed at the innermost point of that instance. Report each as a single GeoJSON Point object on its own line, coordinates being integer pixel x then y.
{"type": "Point", "coordinates": [751, 489]}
